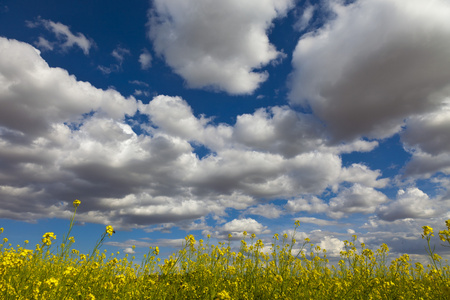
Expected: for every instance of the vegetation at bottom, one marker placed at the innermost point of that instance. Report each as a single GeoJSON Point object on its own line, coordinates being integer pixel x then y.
{"type": "Point", "coordinates": [287, 269]}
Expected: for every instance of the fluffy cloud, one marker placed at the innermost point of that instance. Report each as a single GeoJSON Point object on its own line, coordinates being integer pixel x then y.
{"type": "Point", "coordinates": [236, 228]}
{"type": "Point", "coordinates": [36, 97]}
{"type": "Point", "coordinates": [412, 203]}
{"type": "Point", "coordinates": [216, 44]}
{"type": "Point", "coordinates": [373, 65]}
{"type": "Point", "coordinates": [356, 199]}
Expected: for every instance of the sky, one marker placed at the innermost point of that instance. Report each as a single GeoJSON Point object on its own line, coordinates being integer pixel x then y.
{"type": "Point", "coordinates": [175, 117]}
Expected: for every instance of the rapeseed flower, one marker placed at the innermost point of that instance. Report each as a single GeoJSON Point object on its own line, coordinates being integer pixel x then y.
{"type": "Point", "coordinates": [427, 230]}
{"type": "Point", "coordinates": [76, 203]}
{"type": "Point", "coordinates": [110, 230]}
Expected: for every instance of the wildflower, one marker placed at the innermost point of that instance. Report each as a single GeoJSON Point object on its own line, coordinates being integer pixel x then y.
{"type": "Point", "coordinates": [297, 223]}
{"type": "Point", "coordinates": [76, 203]}
{"type": "Point", "coordinates": [1, 230]}
{"type": "Point", "coordinates": [47, 238]}
{"type": "Point", "coordinates": [110, 230]}
{"type": "Point", "coordinates": [427, 230]}
{"type": "Point", "coordinates": [223, 295]}
{"type": "Point", "coordinates": [156, 250]}
{"type": "Point", "coordinates": [436, 257]}
{"type": "Point", "coordinates": [52, 282]}
{"type": "Point", "coordinates": [245, 233]}
{"type": "Point", "coordinates": [278, 278]}
{"type": "Point", "coordinates": [90, 297]}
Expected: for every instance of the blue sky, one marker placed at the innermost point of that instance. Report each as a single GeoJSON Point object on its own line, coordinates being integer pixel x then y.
{"type": "Point", "coordinates": [168, 118]}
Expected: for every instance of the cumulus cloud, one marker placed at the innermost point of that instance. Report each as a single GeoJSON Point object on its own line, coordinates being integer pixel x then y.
{"type": "Point", "coordinates": [236, 228]}
{"type": "Point", "coordinates": [356, 199]}
{"type": "Point", "coordinates": [309, 204]}
{"type": "Point", "coordinates": [412, 203]}
{"type": "Point", "coordinates": [373, 65]}
{"type": "Point", "coordinates": [64, 36]}
{"type": "Point", "coordinates": [216, 44]}
{"type": "Point", "coordinates": [426, 138]}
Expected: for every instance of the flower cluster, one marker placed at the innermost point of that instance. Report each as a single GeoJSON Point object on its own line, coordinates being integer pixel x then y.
{"type": "Point", "coordinates": [109, 230]}
{"type": "Point", "coordinates": [47, 238]}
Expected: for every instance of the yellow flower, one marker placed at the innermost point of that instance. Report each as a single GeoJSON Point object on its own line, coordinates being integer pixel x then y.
{"type": "Point", "coordinates": [52, 282]}
{"type": "Point", "coordinates": [76, 203]}
{"type": "Point", "coordinates": [90, 297]}
{"type": "Point", "coordinates": [223, 295]}
{"type": "Point", "coordinates": [110, 230]}
{"type": "Point", "coordinates": [47, 238]}
{"type": "Point", "coordinates": [278, 278]}
{"type": "Point", "coordinates": [427, 230]}
{"type": "Point", "coordinates": [1, 230]}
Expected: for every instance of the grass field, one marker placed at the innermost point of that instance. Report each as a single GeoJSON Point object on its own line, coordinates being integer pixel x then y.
{"type": "Point", "coordinates": [201, 270]}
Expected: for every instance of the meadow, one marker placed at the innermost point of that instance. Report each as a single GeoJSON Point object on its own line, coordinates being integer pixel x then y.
{"type": "Point", "coordinates": [291, 269]}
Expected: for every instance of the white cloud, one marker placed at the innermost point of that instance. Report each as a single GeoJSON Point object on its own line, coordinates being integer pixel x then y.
{"type": "Point", "coordinates": [119, 54]}
{"type": "Point", "coordinates": [356, 199]}
{"type": "Point", "coordinates": [236, 227]}
{"type": "Point", "coordinates": [61, 138]}
{"type": "Point", "coordinates": [376, 63]}
{"type": "Point", "coordinates": [426, 138]}
{"type": "Point", "coordinates": [129, 250]}
{"type": "Point", "coordinates": [309, 204]}
{"type": "Point", "coordinates": [62, 32]}
{"type": "Point", "coordinates": [320, 222]}
{"type": "Point", "coordinates": [412, 203]}
{"type": "Point", "coordinates": [216, 44]}
{"type": "Point", "coordinates": [304, 20]}
{"type": "Point", "coordinates": [137, 82]}
{"type": "Point", "coordinates": [145, 59]}
{"type": "Point", "coordinates": [270, 211]}
{"type": "Point", "coordinates": [358, 173]}
{"type": "Point", "coordinates": [44, 44]}
{"type": "Point", "coordinates": [333, 245]}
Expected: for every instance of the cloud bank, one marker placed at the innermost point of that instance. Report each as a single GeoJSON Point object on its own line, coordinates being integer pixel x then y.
{"type": "Point", "coordinates": [63, 139]}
